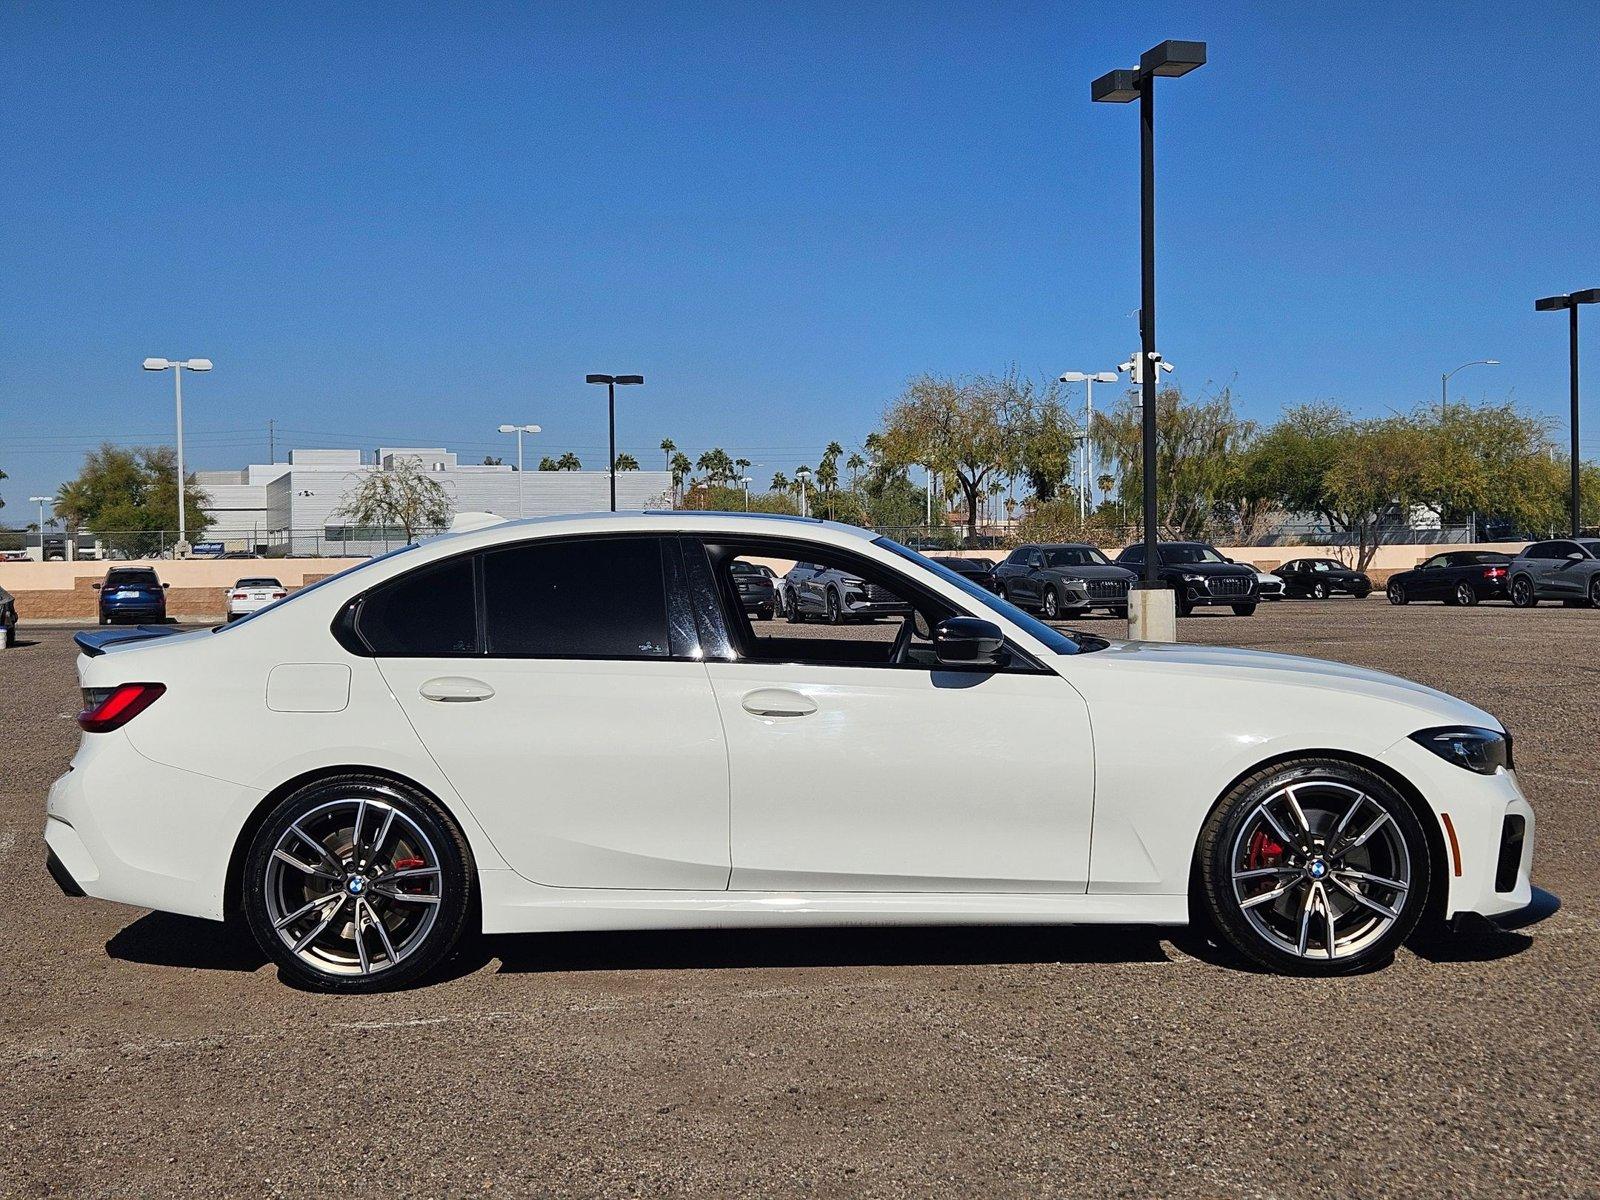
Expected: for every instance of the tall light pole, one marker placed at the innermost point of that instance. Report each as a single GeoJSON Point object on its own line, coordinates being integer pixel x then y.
{"type": "Point", "coordinates": [41, 501]}
{"type": "Point", "coordinates": [746, 482]}
{"type": "Point", "coordinates": [1085, 467]}
{"type": "Point", "coordinates": [178, 367]}
{"type": "Point", "coordinates": [1118, 87]}
{"type": "Point", "coordinates": [803, 474]}
{"type": "Point", "coordinates": [1570, 302]}
{"type": "Point", "coordinates": [1444, 408]}
{"type": "Point", "coordinates": [519, 430]}
{"type": "Point", "coordinates": [611, 382]}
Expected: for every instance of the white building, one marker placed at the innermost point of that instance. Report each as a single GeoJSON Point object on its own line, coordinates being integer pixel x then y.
{"type": "Point", "coordinates": [290, 508]}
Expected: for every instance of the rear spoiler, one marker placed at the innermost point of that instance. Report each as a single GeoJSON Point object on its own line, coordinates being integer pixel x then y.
{"type": "Point", "coordinates": [94, 642]}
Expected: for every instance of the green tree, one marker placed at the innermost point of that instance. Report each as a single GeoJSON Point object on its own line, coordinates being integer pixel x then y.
{"type": "Point", "coordinates": [681, 466]}
{"type": "Point", "coordinates": [1199, 450]}
{"type": "Point", "coordinates": [780, 482]}
{"type": "Point", "coordinates": [1048, 438]}
{"type": "Point", "coordinates": [567, 462]}
{"type": "Point", "coordinates": [962, 428]}
{"type": "Point", "coordinates": [404, 496]}
{"type": "Point", "coordinates": [717, 465]}
{"type": "Point", "coordinates": [129, 498]}
{"type": "Point", "coordinates": [627, 462]}
{"type": "Point", "coordinates": [855, 463]}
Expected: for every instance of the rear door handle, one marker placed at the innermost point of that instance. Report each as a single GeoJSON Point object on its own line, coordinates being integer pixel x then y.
{"type": "Point", "coordinates": [455, 689]}
{"type": "Point", "coordinates": [778, 702]}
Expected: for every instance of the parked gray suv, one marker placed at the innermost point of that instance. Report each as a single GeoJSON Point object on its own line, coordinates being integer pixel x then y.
{"type": "Point", "coordinates": [811, 590]}
{"type": "Point", "coordinates": [1565, 569]}
{"type": "Point", "coordinates": [1069, 577]}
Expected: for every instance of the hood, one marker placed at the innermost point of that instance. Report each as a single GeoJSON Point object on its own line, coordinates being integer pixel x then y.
{"type": "Point", "coordinates": [1210, 568]}
{"type": "Point", "coordinates": [1260, 666]}
{"type": "Point", "coordinates": [1092, 571]}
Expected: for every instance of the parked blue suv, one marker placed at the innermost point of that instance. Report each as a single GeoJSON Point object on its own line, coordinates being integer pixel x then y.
{"type": "Point", "coordinates": [132, 594]}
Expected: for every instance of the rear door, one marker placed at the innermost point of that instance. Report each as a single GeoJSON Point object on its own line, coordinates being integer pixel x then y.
{"type": "Point", "coordinates": [556, 682]}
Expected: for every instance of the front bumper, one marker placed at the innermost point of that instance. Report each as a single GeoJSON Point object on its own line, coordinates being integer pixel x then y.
{"type": "Point", "coordinates": [1471, 813]}
{"type": "Point", "coordinates": [1200, 593]}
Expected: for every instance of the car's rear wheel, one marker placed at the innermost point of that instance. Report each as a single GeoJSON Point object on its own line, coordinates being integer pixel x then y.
{"type": "Point", "coordinates": [1314, 867]}
{"type": "Point", "coordinates": [1319, 590]}
{"type": "Point", "coordinates": [1594, 592]}
{"type": "Point", "coordinates": [1466, 594]}
{"type": "Point", "coordinates": [1397, 593]}
{"type": "Point", "coordinates": [356, 884]}
{"type": "Point", "coordinates": [1522, 593]}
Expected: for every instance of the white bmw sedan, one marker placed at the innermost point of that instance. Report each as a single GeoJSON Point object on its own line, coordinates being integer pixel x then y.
{"type": "Point", "coordinates": [572, 723]}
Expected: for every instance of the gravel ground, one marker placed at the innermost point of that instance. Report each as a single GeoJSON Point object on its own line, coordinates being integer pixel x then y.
{"type": "Point", "coordinates": [147, 1054]}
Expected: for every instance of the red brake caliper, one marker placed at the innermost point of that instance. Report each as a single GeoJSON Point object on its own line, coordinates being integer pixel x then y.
{"type": "Point", "coordinates": [1263, 852]}
{"type": "Point", "coordinates": [406, 864]}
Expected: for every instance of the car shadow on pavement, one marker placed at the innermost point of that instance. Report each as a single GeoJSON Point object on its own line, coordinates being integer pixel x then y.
{"type": "Point", "coordinates": [725, 949]}
{"type": "Point", "coordinates": [164, 940]}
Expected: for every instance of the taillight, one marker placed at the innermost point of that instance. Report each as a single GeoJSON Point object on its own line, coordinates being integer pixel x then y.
{"type": "Point", "coordinates": [1494, 573]}
{"type": "Point", "coordinates": [240, 596]}
{"type": "Point", "coordinates": [279, 595]}
{"type": "Point", "coordinates": [114, 708]}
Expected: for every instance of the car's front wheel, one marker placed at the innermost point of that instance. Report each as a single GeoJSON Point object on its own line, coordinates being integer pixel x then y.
{"type": "Point", "coordinates": [1052, 604]}
{"type": "Point", "coordinates": [791, 608]}
{"type": "Point", "coordinates": [357, 884]}
{"type": "Point", "coordinates": [1244, 610]}
{"type": "Point", "coordinates": [1314, 867]}
{"type": "Point", "coordinates": [1594, 592]}
{"type": "Point", "coordinates": [1319, 590]}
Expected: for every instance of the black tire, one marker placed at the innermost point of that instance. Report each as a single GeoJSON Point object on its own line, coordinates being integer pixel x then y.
{"type": "Point", "coordinates": [1324, 787]}
{"type": "Point", "coordinates": [1183, 607]}
{"type": "Point", "coordinates": [835, 610]}
{"type": "Point", "coordinates": [1319, 590]}
{"type": "Point", "coordinates": [421, 820]}
{"type": "Point", "coordinates": [1244, 610]}
{"type": "Point", "coordinates": [1397, 593]}
{"type": "Point", "coordinates": [105, 620]}
{"type": "Point", "coordinates": [1594, 592]}
{"type": "Point", "coordinates": [1522, 593]}
{"type": "Point", "coordinates": [1052, 605]}
{"type": "Point", "coordinates": [1120, 613]}
{"type": "Point", "coordinates": [1361, 593]}
{"type": "Point", "coordinates": [764, 614]}
{"type": "Point", "coordinates": [791, 608]}
{"type": "Point", "coordinates": [1466, 594]}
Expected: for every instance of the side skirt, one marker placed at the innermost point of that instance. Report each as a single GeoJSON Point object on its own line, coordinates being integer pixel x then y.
{"type": "Point", "coordinates": [513, 905]}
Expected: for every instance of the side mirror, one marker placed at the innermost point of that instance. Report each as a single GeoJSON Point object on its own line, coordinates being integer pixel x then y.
{"type": "Point", "coordinates": [166, 585]}
{"type": "Point", "coordinates": [96, 586]}
{"type": "Point", "coordinates": [1575, 556]}
{"type": "Point", "coordinates": [967, 640]}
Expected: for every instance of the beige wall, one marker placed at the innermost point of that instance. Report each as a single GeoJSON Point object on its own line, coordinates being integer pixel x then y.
{"type": "Point", "coordinates": [199, 587]}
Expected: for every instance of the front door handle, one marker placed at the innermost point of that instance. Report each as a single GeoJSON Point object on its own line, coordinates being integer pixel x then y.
{"type": "Point", "coordinates": [778, 702]}
{"type": "Point", "coordinates": [455, 689]}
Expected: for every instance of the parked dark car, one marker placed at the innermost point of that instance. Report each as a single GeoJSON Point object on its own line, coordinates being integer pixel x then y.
{"type": "Point", "coordinates": [1065, 577]}
{"type": "Point", "coordinates": [979, 570]}
{"type": "Point", "coordinates": [1565, 569]}
{"type": "Point", "coordinates": [132, 594]}
{"type": "Point", "coordinates": [1199, 576]}
{"type": "Point", "coordinates": [1456, 577]}
{"type": "Point", "coordinates": [811, 590]}
{"type": "Point", "coordinates": [1319, 578]}
{"type": "Point", "coordinates": [756, 591]}
{"type": "Point", "coordinates": [8, 619]}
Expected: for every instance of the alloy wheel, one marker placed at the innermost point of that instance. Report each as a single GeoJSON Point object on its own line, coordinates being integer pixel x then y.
{"type": "Point", "coordinates": [1466, 594]}
{"type": "Point", "coordinates": [1594, 591]}
{"type": "Point", "coordinates": [1397, 593]}
{"type": "Point", "coordinates": [1522, 592]}
{"type": "Point", "coordinates": [353, 887]}
{"type": "Point", "coordinates": [1052, 604]}
{"type": "Point", "coordinates": [1319, 590]}
{"type": "Point", "coordinates": [1320, 869]}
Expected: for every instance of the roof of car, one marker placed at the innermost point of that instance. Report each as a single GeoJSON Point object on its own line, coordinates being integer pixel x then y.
{"type": "Point", "coordinates": [654, 521]}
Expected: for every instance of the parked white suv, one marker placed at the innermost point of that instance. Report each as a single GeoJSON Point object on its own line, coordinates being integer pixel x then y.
{"type": "Point", "coordinates": [571, 723]}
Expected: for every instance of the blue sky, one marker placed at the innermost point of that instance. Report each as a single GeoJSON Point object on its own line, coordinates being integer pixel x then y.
{"type": "Point", "coordinates": [409, 223]}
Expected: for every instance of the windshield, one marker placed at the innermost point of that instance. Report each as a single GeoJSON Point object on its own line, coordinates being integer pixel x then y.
{"type": "Point", "coordinates": [311, 587]}
{"type": "Point", "coordinates": [1592, 547]}
{"type": "Point", "coordinates": [1075, 556]}
{"type": "Point", "coordinates": [1189, 552]}
{"type": "Point", "coordinates": [1053, 638]}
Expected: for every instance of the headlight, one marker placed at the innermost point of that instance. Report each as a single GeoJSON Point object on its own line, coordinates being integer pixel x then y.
{"type": "Point", "coordinates": [1188, 578]}
{"type": "Point", "coordinates": [1480, 750]}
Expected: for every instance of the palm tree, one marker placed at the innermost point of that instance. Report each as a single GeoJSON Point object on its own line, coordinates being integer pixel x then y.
{"type": "Point", "coordinates": [855, 462]}
{"type": "Point", "coordinates": [680, 466]}
{"type": "Point", "coordinates": [667, 447]}
{"type": "Point", "coordinates": [780, 482]}
{"type": "Point", "coordinates": [568, 462]}
{"type": "Point", "coordinates": [627, 462]}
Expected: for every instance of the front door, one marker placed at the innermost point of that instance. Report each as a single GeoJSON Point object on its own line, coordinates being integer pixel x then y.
{"type": "Point", "coordinates": [857, 763]}
{"type": "Point", "coordinates": [592, 756]}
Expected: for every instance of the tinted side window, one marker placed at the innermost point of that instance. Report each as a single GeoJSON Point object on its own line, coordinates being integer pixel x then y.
{"type": "Point", "coordinates": [1561, 549]}
{"type": "Point", "coordinates": [427, 613]}
{"type": "Point", "coordinates": [1537, 550]}
{"type": "Point", "coordinates": [597, 598]}
{"type": "Point", "coordinates": [1133, 554]}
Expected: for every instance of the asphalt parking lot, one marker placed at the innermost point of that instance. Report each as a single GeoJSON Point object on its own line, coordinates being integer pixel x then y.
{"type": "Point", "coordinates": [147, 1054]}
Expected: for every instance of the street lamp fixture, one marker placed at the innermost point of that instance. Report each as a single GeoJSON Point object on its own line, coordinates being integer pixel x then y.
{"type": "Point", "coordinates": [612, 382]}
{"type": "Point", "coordinates": [1168, 59]}
{"type": "Point", "coordinates": [519, 430]}
{"type": "Point", "coordinates": [178, 367]}
{"type": "Point", "coordinates": [1444, 380]}
{"type": "Point", "coordinates": [1570, 302]}
{"type": "Point", "coordinates": [746, 481]}
{"type": "Point", "coordinates": [1085, 467]}
{"type": "Point", "coordinates": [803, 474]}
{"type": "Point", "coordinates": [41, 501]}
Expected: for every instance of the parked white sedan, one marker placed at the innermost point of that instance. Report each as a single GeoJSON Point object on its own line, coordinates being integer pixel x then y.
{"type": "Point", "coordinates": [571, 723]}
{"type": "Point", "coordinates": [253, 594]}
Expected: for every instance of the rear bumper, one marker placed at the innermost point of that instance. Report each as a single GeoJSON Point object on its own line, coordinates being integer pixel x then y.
{"type": "Point", "coordinates": [121, 827]}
